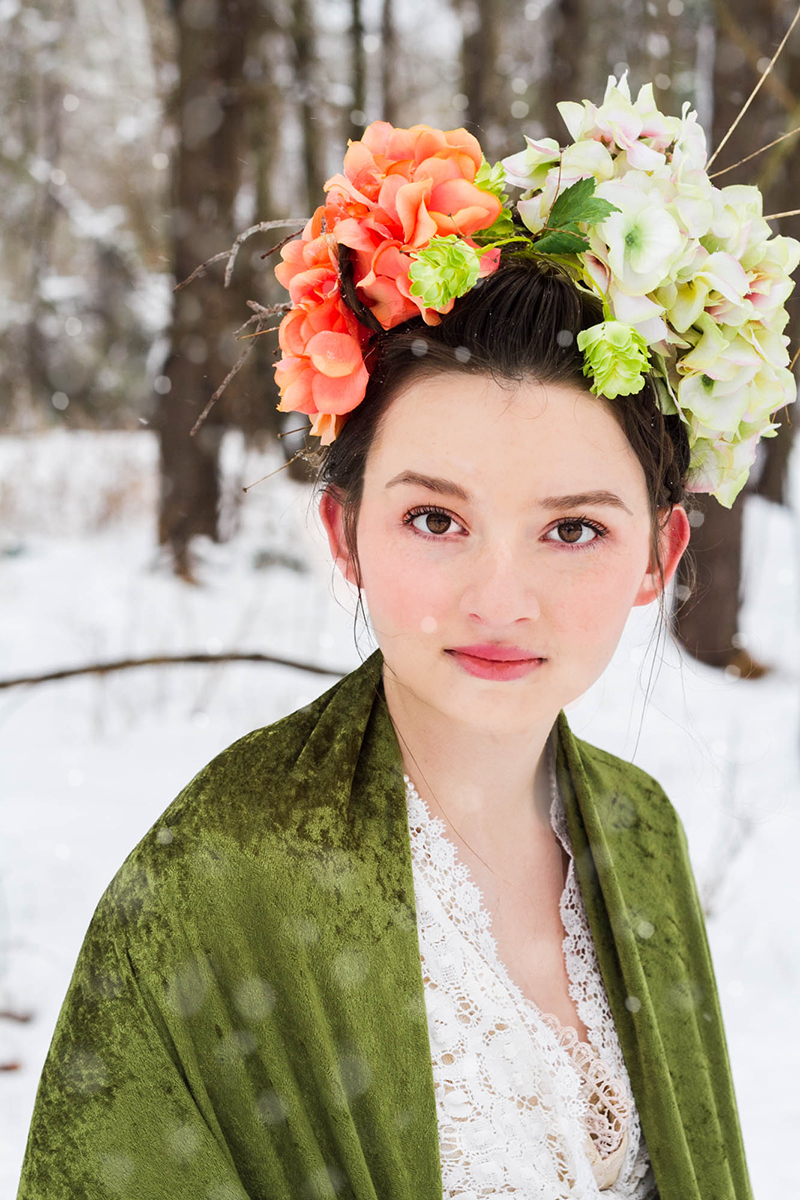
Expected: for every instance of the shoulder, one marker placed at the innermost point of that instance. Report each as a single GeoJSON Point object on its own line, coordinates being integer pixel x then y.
{"type": "Point", "coordinates": [267, 801]}
{"type": "Point", "coordinates": [626, 796]}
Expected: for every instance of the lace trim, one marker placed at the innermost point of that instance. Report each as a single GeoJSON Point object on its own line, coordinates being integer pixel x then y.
{"type": "Point", "coordinates": [602, 1102]}
{"type": "Point", "coordinates": [587, 990]}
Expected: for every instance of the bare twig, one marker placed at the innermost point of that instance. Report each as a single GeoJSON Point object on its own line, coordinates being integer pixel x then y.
{"type": "Point", "coordinates": [793, 212]}
{"type": "Point", "coordinates": [257, 333]}
{"type": "Point", "coordinates": [261, 227]}
{"type": "Point", "coordinates": [288, 433]}
{"type": "Point", "coordinates": [236, 247]}
{"type": "Point", "coordinates": [278, 469]}
{"type": "Point", "coordinates": [235, 369]}
{"type": "Point", "coordinates": [279, 245]}
{"type": "Point", "coordinates": [755, 153]}
{"type": "Point", "coordinates": [260, 311]}
{"type": "Point", "coordinates": [201, 270]}
{"type": "Point", "coordinates": [260, 314]}
{"type": "Point", "coordinates": [757, 88]}
{"type": "Point", "coordinates": [163, 660]}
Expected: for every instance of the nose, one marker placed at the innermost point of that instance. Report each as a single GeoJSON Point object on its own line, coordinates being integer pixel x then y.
{"type": "Point", "coordinates": [498, 591]}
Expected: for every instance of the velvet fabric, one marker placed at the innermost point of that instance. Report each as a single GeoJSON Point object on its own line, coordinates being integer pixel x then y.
{"type": "Point", "coordinates": [246, 1018]}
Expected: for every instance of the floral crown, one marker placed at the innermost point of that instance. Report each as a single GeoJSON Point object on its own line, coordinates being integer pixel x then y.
{"type": "Point", "coordinates": [691, 281]}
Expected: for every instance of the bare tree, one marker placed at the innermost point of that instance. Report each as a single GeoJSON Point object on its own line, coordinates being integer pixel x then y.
{"type": "Point", "coordinates": [358, 71]}
{"type": "Point", "coordinates": [212, 45]}
{"type": "Point", "coordinates": [482, 23]}
{"type": "Point", "coordinates": [303, 40]}
{"type": "Point", "coordinates": [746, 35]}
{"type": "Point", "coordinates": [389, 51]}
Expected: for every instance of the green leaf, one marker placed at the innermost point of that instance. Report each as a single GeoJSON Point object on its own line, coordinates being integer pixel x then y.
{"type": "Point", "coordinates": [578, 203]}
{"type": "Point", "coordinates": [502, 228]}
{"type": "Point", "coordinates": [491, 178]}
{"type": "Point", "coordinates": [560, 241]}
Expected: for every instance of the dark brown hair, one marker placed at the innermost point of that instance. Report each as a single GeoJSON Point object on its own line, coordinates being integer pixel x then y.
{"type": "Point", "coordinates": [520, 323]}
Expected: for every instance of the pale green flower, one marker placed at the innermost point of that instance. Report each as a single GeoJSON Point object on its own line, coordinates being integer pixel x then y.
{"type": "Point", "coordinates": [643, 239]}
{"type": "Point", "coordinates": [644, 313]}
{"type": "Point", "coordinates": [738, 226]}
{"type": "Point", "coordinates": [616, 356]}
{"type": "Point", "coordinates": [444, 270]}
{"type": "Point", "coordinates": [528, 169]}
{"type": "Point", "coordinates": [491, 178]}
{"type": "Point", "coordinates": [637, 128]}
{"type": "Point", "coordinates": [721, 466]}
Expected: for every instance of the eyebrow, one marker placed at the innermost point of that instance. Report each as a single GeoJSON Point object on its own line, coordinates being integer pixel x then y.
{"type": "Point", "coordinates": [446, 488]}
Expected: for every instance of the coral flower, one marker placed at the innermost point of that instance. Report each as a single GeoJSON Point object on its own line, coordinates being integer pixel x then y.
{"type": "Point", "coordinates": [322, 370]}
{"type": "Point", "coordinates": [401, 188]}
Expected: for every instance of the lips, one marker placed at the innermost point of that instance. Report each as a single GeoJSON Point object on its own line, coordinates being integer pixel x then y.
{"type": "Point", "coordinates": [495, 653]}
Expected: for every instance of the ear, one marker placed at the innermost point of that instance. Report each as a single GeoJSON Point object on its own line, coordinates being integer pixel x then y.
{"type": "Point", "coordinates": [673, 540]}
{"type": "Point", "coordinates": [330, 510]}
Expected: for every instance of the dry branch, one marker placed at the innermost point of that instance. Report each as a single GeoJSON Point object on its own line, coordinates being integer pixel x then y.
{"type": "Point", "coordinates": [165, 660]}
{"type": "Point", "coordinates": [260, 315]}
{"type": "Point", "coordinates": [236, 247]}
{"type": "Point", "coordinates": [757, 88]}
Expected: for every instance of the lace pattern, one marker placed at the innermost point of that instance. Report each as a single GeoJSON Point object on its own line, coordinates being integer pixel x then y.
{"type": "Point", "coordinates": [524, 1106]}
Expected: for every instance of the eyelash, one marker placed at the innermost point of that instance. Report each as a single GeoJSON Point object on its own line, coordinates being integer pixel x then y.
{"type": "Point", "coordinates": [423, 510]}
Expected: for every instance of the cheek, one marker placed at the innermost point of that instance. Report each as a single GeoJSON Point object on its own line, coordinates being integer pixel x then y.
{"type": "Point", "coordinates": [593, 603]}
{"type": "Point", "coordinates": [403, 588]}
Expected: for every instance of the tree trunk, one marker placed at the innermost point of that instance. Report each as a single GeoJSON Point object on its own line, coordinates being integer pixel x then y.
{"type": "Point", "coordinates": [358, 72]}
{"type": "Point", "coordinates": [479, 50]}
{"type": "Point", "coordinates": [388, 63]}
{"type": "Point", "coordinates": [780, 173]}
{"type": "Point", "coordinates": [569, 28]}
{"type": "Point", "coordinates": [208, 173]}
{"type": "Point", "coordinates": [708, 622]}
{"type": "Point", "coordinates": [305, 67]}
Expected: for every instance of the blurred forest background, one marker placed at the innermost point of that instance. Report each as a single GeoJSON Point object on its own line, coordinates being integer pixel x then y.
{"type": "Point", "coordinates": [140, 137]}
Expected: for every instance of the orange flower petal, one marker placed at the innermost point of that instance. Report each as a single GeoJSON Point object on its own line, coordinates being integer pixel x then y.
{"type": "Point", "coordinates": [294, 378]}
{"type": "Point", "coordinates": [418, 226]}
{"type": "Point", "coordinates": [376, 136]}
{"type": "Point", "coordinates": [490, 261]}
{"type": "Point", "coordinates": [357, 235]}
{"type": "Point", "coordinates": [326, 426]}
{"type": "Point", "coordinates": [466, 142]}
{"type": "Point", "coordinates": [401, 145]}
{"type": "Point", "coordinates": [340, 395]}
{"type": "Point", "coordinates": [427, 141]}
{"type": "Point", "coordinates": [347, 190]}
{"type": "Point", "coordinates": [469, 207]}
{"type": "Point", "coordinates": [292, 334]}
{"type": "Point", "coordinates": [334, 354]}
{"type": "Point", "coordinates": [389, 304]}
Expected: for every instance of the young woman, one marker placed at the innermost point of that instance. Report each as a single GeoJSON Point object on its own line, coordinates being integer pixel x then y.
{"type": "Point", "coordinates": [415, 939]}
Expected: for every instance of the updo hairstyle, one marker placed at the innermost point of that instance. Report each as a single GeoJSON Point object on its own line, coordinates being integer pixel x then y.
{"type": "Point", "coordinates": [517, 325]}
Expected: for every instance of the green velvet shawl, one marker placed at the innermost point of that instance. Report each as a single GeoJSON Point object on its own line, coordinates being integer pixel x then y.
{"type": "Point", "coordinates": [246, 1018]}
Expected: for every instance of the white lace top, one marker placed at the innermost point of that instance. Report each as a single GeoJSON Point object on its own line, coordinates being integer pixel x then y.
{"type": "Point", "coordinates": [524, 1107]}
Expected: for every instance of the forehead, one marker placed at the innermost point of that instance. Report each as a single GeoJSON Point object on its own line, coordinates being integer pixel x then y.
{"type": "Point", "coordinates": [524, 437]}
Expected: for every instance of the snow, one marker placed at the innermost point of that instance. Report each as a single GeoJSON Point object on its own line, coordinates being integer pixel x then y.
{"type": "Point", "coordinates": [81, 579]}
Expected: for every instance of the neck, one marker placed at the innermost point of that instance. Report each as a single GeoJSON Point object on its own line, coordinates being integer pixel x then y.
{"type": "Point", "coordinates": [482, 783]}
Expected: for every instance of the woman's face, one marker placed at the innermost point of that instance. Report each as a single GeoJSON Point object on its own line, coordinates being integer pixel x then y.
{"type": "Point", "coordinates": [514, 518]}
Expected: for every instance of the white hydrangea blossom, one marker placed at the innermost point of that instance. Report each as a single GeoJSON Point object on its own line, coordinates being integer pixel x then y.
{"type": "Point", "coordinates": [692, 267]}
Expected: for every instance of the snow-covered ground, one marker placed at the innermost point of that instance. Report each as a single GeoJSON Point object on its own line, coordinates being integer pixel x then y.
{"type": "Point", "coordinates": [86, 766]}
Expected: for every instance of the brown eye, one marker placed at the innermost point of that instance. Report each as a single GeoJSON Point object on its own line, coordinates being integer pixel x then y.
{"type": "Point", "coordinates": [436, 522]}
{"type": "Point", "coordinates": [571, 531]}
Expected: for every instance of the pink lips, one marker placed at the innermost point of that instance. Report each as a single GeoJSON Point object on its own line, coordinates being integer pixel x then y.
{"type": "Point", "coordinates": [495, 662]}
{"type": "Point", "coordinates": [496, 653]}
